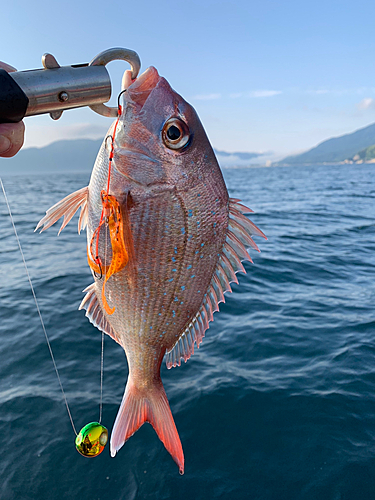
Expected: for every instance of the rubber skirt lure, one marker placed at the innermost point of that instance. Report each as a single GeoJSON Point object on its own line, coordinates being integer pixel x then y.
{"type": "Point", "coordinates": [112, 216]}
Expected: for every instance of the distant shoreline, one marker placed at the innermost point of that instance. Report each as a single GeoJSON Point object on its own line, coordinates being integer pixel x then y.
{"type": "Point", "coordinates": [83, 171]}
{"type": "Point", "coordinates": [327, 163]}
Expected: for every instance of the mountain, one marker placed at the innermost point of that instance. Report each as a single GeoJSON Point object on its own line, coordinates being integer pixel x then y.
{"type": "Point", "coordinates": [241, 156]}
{"type": "Point", "coordinates": [60, 156]}
{"type": "Point", "coordinates": [336, 149]}
{"type": "Point", "coordinates": [79, 155]}
{"type": "Point", "coordinates": [366, 155]}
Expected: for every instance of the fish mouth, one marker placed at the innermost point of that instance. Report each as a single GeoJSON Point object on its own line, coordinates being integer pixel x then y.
{"type": "Point", "coordinates": [139, 90]}
{"type": "Point", "coordinates": [132, 136]}
{"type": "Point", "coordinates": [137, 134]}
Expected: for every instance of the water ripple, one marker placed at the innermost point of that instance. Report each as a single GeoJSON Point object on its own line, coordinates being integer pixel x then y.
{"type": "Point", "coordinates": [278, 403]}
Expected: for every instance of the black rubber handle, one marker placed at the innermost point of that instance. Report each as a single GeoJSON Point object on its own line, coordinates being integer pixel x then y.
{"type": "Point", "coordinates": [13, 100]}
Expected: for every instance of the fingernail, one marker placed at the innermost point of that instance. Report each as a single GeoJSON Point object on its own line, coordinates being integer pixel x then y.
{"type": "Point", "coordinates": [5, 144]}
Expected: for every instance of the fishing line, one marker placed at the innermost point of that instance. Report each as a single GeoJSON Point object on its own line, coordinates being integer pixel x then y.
{"type": "Point", "coordinates": [110, 159]}
{"type": "Point", "coordinates": [101, 381]}
{"type": "Point", "coordinates": [119, 111]}
{"type": "Point", "coordinates": [44, 328]}
{"type": "Point", "coordinates": [94, 430]}
{"type": "Point", "coordinates": [102, 354]}
{"type": "Point", "coordinates": [37, 307]}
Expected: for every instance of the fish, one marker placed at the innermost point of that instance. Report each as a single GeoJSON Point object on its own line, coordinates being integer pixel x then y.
{"type": "Point", "coordinates": [164, 242]}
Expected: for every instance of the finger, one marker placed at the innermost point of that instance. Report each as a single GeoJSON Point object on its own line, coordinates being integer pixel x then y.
{"type": "Point", "coordinates": [11, 138]}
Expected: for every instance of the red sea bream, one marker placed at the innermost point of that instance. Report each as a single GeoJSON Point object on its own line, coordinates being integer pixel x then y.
{"type": "Point", "coordinates": [170, 243]}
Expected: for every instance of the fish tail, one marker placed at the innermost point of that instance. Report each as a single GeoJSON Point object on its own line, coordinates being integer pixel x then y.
{"type": "Point", "coordinates": [151, 405]}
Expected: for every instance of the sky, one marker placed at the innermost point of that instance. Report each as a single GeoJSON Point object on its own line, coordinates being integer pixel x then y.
{"type": "Point", "coordinates": [276, 77]}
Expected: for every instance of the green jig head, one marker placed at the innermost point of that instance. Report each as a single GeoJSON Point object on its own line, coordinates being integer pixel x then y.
{"type": "Point", "coordinates": [91, 439]}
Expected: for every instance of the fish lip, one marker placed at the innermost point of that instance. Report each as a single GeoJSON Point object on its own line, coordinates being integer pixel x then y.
{"type": "Point", "coordinates": [141, 88]}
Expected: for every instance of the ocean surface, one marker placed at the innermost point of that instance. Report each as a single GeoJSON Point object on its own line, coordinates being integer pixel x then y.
{"type": "Point", "coordinates": [279, 401]}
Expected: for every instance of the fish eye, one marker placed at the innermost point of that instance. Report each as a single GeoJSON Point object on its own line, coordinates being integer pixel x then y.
{"type": "Point", "coordinates": [175, 133]}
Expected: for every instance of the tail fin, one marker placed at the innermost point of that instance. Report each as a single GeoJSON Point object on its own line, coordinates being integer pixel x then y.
{"type": "Point", "coordinates": [138, 407]}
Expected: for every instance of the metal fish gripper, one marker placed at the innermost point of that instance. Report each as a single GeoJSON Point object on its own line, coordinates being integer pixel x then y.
{"type": "Point", "coordinates": [54, 88]}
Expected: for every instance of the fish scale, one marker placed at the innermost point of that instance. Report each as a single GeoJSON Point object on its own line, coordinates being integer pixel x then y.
{"type": "Point", "coordinates": [156, 274]}
{"type": "Point", "coordinates": [185, 239]}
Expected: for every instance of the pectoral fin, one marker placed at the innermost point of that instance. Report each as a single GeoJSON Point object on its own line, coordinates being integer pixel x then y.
{"type": "Point", "coordinates": [67, 207]}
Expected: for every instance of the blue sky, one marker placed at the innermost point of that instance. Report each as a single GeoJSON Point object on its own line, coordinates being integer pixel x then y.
{"type": "Point", "coordinates": [266, 75]}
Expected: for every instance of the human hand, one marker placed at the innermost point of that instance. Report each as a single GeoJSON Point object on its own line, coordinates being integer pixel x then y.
{"type": "Point", "coordinates": [11, 134]}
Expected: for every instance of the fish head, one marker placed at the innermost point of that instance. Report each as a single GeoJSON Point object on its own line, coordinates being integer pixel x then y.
{"type": "Point", "coordinates": [159, 137]}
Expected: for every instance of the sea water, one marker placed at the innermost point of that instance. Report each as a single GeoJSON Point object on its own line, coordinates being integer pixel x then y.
{"type": "Point", "coordinates": [279, 401]}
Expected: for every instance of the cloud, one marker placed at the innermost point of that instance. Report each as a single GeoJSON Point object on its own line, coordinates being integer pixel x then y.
{"type": "Point", "coordinates": [42, 135]}
{"type": "Point", "coordinates": [366, 103]}
{"type": "Point", "coordinates": [318, 92]}
{"type": "Point", "coordinates": [237, 95]}
{"type": "Point", "coordinates": [86, 130]}
{"type": "Point", "coordinates": [206, 97]}
{"type": "Point", "coordinates": [264, 93]}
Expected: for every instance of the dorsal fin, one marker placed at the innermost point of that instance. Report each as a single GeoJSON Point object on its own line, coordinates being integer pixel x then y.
{"type": "Point", "coordinates": [239, 238]}
{"type": "Point", "coordinates": [95, 313]}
